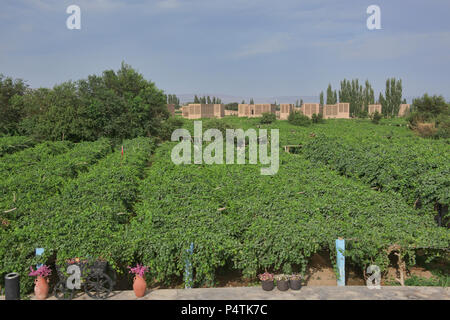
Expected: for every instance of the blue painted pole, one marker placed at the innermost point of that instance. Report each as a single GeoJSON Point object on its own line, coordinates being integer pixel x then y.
{"type": "Point", "coordinates": [188, 269]}
{"type": "Point", "coordinates": [340, 258]}
{"type": "Point", "coordinates": [39, 252]}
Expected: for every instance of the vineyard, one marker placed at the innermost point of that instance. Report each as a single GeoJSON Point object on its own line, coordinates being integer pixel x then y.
{"type": "Point", "coordinates": [377, 186]}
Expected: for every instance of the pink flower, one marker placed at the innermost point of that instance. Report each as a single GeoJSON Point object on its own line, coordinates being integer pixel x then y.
{"type": "Point", "coordinates": [138, 270]}
{"type": "Point", "coordinates": [42, 271]}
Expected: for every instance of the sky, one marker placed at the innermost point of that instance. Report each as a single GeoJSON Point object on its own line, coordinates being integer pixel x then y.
{"type": "Point", "coordinates": [255, 48]}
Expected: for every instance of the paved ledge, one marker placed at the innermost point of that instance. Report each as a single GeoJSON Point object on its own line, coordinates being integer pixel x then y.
{"type": "Point", "coordinates": [305, 293]}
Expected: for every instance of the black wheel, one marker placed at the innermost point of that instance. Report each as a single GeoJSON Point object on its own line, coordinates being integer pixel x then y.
{"type": "Point", "coordinates": [61, 292]}
{"type": "Point", "coordinates": [98, 286]}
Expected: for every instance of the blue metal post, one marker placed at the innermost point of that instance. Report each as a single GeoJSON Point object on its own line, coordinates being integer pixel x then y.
{"type": "Point", "coordinates": [188, 269]}
{"type": "Point", "coordinates": [340, 259]}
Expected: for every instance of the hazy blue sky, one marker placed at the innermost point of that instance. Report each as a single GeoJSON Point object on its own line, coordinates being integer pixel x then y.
{"type": "Point", "coordinates": [236, 47]}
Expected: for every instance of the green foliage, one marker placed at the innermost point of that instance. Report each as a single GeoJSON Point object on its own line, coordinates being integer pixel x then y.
{"type": "Point", "coordinates": [11, 164]}
{"type": "Point", "coordinates": [298, 119]}
{"type": "Point", "coordinates": [414, 170]}
{"type": "Point", "coordinates": [268, 117]}
{"type": "Point", "coordinates": [392, 97]}
{"type": "Point", "coordinates": [358, 97]}
{"type": "Point", "coordinates": [232, 106]}
{"type": "Point", "coordinates": [15, 143]}
{"type": "Point", "coordinates": [86, 218]}
{"type": "Point", "coordinates": [317, 118]}
{"type": "Point", "coordinates": [10, 114]}
{"type": "Point", "coordinates": [376, 117]}
{"type": "Point", "coordinates": [117, 105]}
{"type": "Point", "coordinates": [431, 110]}
{"type": "Point", "coordinates": [236, 218]}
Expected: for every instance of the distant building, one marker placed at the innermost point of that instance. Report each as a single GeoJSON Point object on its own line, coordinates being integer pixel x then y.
{"type": "Point", "coordinates": [200, 110]}
{"type": "Point", "coordinates": [171, 108]}
{"type": "Point", "coordinates": [231, 113]}
{"type": "Point", "coordinates": [308, 109]}
{"type": "Point", "coordinates": [373, 108]}
{"type": "Point", "coordinates": [285, 110]}
{"type": "Point", "coordinates": [336, 111]}
{"type": "Point", "coordinates": [404, 109]}
{"type": "Point", "coordinates": [255, 110]}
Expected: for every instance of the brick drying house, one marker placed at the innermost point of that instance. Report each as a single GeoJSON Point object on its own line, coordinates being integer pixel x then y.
{"type": "Point", "coordinates": [308, 109]}
{"type": "Point", "coordinates": [199, 111]}
{"type": "Point", "coordinates": [373, 108]}
{"type": "Point", "coordinates": [404, 109]}
{"type": "Point", "coordinates": [285, 110]}
{"type": "Point", "coordinates": [171, 109]}
{"type": "Point", "coordinates": [255, 110]}
{"type": "Point", "coordinates": [336, 111]}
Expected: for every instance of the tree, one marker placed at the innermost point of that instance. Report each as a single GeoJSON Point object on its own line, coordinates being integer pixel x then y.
{"type": "Point", "coordinates": [11, 114]}
{"type": "Point", "coordinates": [392, 97]}
{"type": "Point", "coordinates": [251, 101]}
{"type": "Point", "coordinates": [208, 101]}
{"type": "Point", "coordinates": [117, 105]}
{"type": "Point", "coordinates": [321, 98]}
{"type": "Point", "coordinates": [330, 95]}
{"type": "Point", "coordinates": [196, 99]}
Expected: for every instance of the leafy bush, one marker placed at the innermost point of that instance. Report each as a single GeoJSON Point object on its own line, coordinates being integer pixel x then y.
{"type": "Point", "coordinates": [14, 143]}
{"type": "Point", "coordinates": [298, 119]}
{"type": "Point", "coordinates": [376, 117]}
{"type": "Point", "coordinates": [268, 117]}
{"type": "Point", "coordinates": [317, 118]}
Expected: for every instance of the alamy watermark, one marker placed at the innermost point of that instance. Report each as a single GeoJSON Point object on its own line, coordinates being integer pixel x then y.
{"type": "Point", "coordinates": [213, 153]}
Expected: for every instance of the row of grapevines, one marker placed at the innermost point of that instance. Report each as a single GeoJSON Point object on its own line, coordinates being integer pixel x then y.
{"type": "Point", "coordinates": [236, 217]}
{"type": "Point", "coordinates": [87, 218]}
{"type": "Point", "coordinates": [10, 164]}
{"type": "Point", "coordinates": [412, 170]}
{"type": "Point", "coordinates": [26, 190]}
{"type": "Point", "coordinates": [14, 143]}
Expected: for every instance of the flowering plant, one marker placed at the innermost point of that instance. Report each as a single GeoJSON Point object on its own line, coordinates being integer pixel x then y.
{"type": "Point", "coordinates": [266, 276]}
{"type": "Point", "coordinates": [139, 270]}
{"type": "Point", "coordinates": [42, 271]}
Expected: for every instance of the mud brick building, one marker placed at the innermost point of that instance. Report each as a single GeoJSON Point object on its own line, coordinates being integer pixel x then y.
{"type": "Point", "coordinates": [336, 111]}
{"type": "Point", "coordinates": [373, 108]}
{"type": "Point", "coordinates": [171, 108]}
{"type": "Point", "coordinates": [308, 109]}
{"type": "Point", "coordinates": [285, 110]}
{"type": "Point", "coordinates": [199, 110]}
{"type": "Point", "coordinates": [231, 113]}
{"type": "Point", "coordinates": [404, 108]}
{"type": "Point", "coordinates": [255, 110]}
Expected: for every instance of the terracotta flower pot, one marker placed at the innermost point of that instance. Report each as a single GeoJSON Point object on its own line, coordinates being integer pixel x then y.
{"type": "Point", "coordinates": [139, 286]}
{"type": "Point", "coordinates": [41, 288]}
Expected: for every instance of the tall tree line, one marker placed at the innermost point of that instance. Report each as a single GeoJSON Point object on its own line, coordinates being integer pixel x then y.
{"type": "Point", "coordinates": [207, 100]}
{"type": "Point", "coordinates": [173, 99]}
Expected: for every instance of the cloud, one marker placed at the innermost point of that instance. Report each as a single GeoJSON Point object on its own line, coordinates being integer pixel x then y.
{"type": "Point", "coordinates": [275, 43]}
{"type": "Point", "coordinates": [385, 47]}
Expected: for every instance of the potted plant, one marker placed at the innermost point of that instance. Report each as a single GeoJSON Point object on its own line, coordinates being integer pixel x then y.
{"type": "Point", "coordinates": [295, 281]}
{"type": "Point", "coordinates": [41, 281]}
{"type": "Point", "coordinates": [139, 284]}
{"type": "Point", "coordinates": [282, 282]}
{"type": "Point", "coordinates": [266, 281]}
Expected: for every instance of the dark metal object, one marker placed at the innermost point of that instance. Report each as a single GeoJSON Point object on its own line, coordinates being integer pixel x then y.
{"type": "Point", "coordinates": [97, 279]}
{"type": "Point", "coordinates": [267, 285]}
{"type": "Point", "coordinates": [12, 286]}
